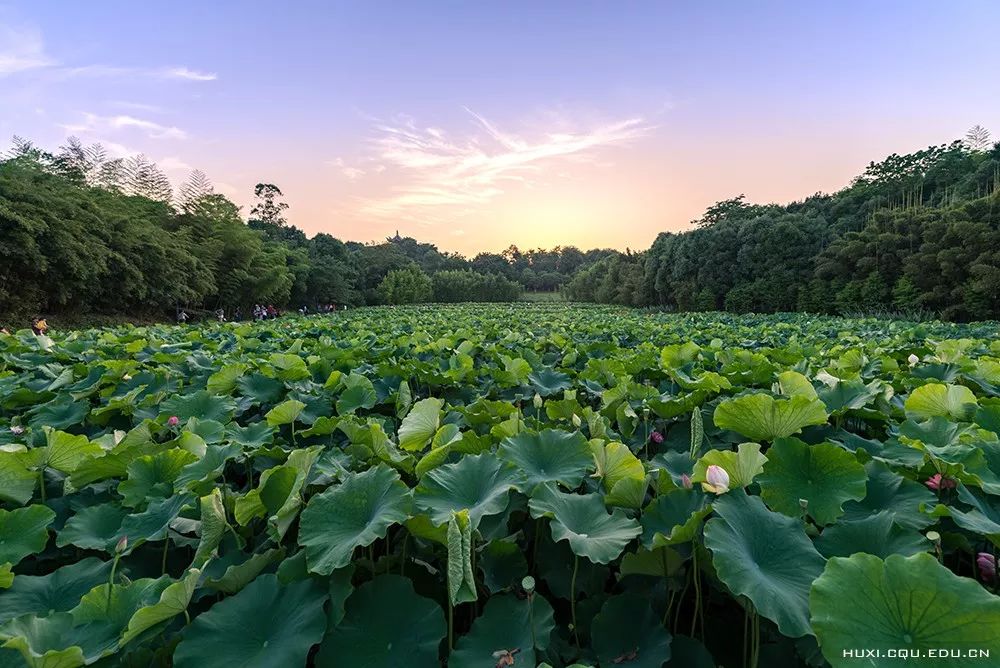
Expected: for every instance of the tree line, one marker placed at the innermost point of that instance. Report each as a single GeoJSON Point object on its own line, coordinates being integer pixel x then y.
{"type": "Point", "coordinates": [84, 233]}
{"type": "Point", "coordinates": [915, 234]}
{"type": "Point", "coordinates": [81, 232]}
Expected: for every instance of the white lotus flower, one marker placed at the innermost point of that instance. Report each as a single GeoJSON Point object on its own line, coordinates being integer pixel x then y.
{"type": "Point", "coordinates": [912, 359]}
{"type": "Point", "coordinates": [716, 480]}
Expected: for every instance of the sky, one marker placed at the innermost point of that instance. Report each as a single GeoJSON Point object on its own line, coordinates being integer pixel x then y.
{"type": "Point", "coordinates": [476, 125]}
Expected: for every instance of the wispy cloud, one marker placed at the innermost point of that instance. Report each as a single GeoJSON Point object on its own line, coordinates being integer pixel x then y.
{"type": "Point", "coordinates": [94, 125]}
{"type": "Point", "coordinates": [440, 173]}
{"type": "Point", "coordinates": [189, 75]}
{"type": "Point", "coordinates": [21, 50]}
{"type": "Point", "coordinates": [349, 172]}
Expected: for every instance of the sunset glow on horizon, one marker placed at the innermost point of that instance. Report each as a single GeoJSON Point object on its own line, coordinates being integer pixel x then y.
{"type": "Point", "coordinates": [483, 125]}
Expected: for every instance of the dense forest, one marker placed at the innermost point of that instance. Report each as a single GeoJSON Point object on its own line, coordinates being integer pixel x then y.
{"type": "Point", "coordinates": [82, 233]}
{"type": "Point", "coordinates": [914, 234]}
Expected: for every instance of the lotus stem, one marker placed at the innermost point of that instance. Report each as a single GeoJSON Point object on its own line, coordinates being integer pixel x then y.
{"type": "Point", "coordinates": [572, 598]}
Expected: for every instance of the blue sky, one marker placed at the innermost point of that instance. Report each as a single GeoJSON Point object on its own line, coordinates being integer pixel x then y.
{"type": "Point", "coordinates": [476, 125]}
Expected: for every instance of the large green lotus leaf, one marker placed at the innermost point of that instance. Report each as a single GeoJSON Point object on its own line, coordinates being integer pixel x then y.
{"type": "Point", "coordinates": [65, 452]}
{"type": "Point", "coordinates": [677, 355]}
{"type": "Point", "coordinates": [386, 625]}
{"type": "Point", "coordinates": [253, 436]}
{"type": "Point", "coordinates": [24, 531]}
{"type": "Point", "coordinates": [208, 468]}
{"type": "Point", "coordinates": [59, 591]}
{"type": "Point", "coordinates": [17, 483]}
{"type": "Point", "coordinates": [761, 417]}
{"type": "Point", "coordinates": [823, 475]}
{"type": "Point", "coordinates": [622, 474]}
{"type": "Point", "coordinates": [201, 405]}
{"type": "Point", "coordinates": [224, 380]}
{"type": "Point", "coordinates": [213, 526]}
{"type": "Point", "coordinates": [988, 415]}
{"type": "Point", "coordinates": [792, 383]}
{"type": "Point", "coordinates": [61, 413]}
{"type": "Point", "coordinates": [287, 412]}
{"type": "Point", "coordinates": [742, 466]}
{"type": "Point", "coordinates": [461, 581]}
{"type": "Point", "coordinates": [844, 395]}
{"type": "Point", "coordinates": [267, 624]}
{"type": "Point", "coordinates": [626, 632]}
{"type": "Point", "coordinates": [548, 382]}
{"type": "Point", "coordinates": [358, 393]}
{"type": "Point", "coordinates": [112, 613]}
{"type": "Point", "coordinates": [152, 476]}
{"type": "Point", "coordinates": [662, 562]}
{"type": "Point", "coordinates": [507, 624]}
{"type": "Point", "coordinates": [173, 601]}
{"type": "Point", "coordinates": [876, 535]}
{"type": "Point", "coordinates": [93, 527]}
{"type": "Point", "coordinates": [153, 523]}
{"type": "Point", "coordinates": [54, 642]}
{"type": "Point", "coordinates": [889, 491]}
{"type": "Point", "coordinates": [260, 388]}
{"type": "Point", "coordinates": [551, 455]}
{"type": "Point", "coordinates": [584, 521]}
{"type": "Point", "coordinates": [277, 496]}
{"type": "Point", "coordinates": [236, 570]}
{"type": "Point", "coordinates": [673, 517]}
{"type": "Point", "coordinates": [911, 603]}
{"type": "Point", "coordinates": [982, 517]}
{"type": "Point", "coordinates": [502, 563]}
{"type": "Point", "coordinates": [955, 402]}
{"type": "Point", "coordinates": [289, 367]}
{"type": "Point", "coordinates": [420, 424]}
{"type": "Point", "coordinates": [351, 515]}
{"type": "Point", "coordinates": [766, 557]}
{"type": "Point", "coordinates": [479, 483]}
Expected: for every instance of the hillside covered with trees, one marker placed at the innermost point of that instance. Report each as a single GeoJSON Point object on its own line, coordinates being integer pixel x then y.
{"type": "Point", "coordinates": [913, 233]}
{"type": "Point", "coordinates": [83, 233]}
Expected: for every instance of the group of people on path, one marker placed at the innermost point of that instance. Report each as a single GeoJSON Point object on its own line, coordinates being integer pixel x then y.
{"type": "Point", "coordinates": [38, 327]}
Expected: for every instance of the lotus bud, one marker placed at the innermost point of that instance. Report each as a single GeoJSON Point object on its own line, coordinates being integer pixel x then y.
{"type": "Point", "coordinates": [804, 505]}
{"type": "Point", "coordinates": [912, 359]}
{"type": "Point", "coordinates": [656, 437]}
{"type": "Point", "coordinates": [987, 565]}
{"type": "Point", "coordinates": [537, 400]}
{"type": "Point", "coordinates": [716, 480]}
{"type": "Point", "coordinates": [122, 545]}
{"type": "Point", "coordinates": [576, 421]}
{"type": "Point", "coordinates": [173, 421]}
{"type": "Point", "coordinates": [685, 481]}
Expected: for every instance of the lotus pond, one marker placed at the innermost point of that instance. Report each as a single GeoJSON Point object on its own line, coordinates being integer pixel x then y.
{"type": "Point", "coordinates": [483, 486]}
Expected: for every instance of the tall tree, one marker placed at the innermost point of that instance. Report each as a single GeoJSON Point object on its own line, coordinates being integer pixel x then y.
{"type": "Point", "coordinates": [268, 209]}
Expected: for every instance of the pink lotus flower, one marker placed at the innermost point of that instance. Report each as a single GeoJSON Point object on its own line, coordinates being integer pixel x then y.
{"type": "Point", "coordinates": [173, 421]}
{"type": "Point", "coordinates": [937, 482]}
{"type": "Point", "coordinates": [686, 481]}
{"type": "Point", "coordinates": [716, 480]}
{"type": "Point", "coordinates": [17, 430]}
{"type": "Point", "coordinates": [987, 565]}
{"type": "Point", "coordinates": [656, 437]}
